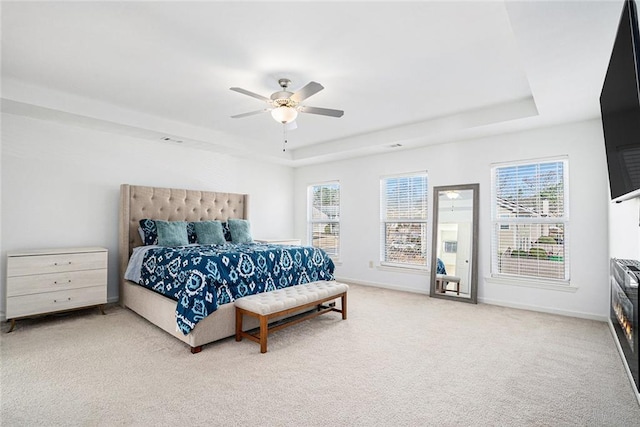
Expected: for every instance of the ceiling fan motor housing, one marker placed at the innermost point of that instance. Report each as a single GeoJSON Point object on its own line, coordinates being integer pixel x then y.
{"type": "Point", "coordinates": [282, 99]}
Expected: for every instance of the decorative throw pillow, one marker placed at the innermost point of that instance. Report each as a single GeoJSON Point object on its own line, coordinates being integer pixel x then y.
{"type": "Point", "coordinates": [240, 231]}
{"type": "Point", "coordinates": [225, 230]}
{"type": "Point", "coordinates": [149, 231]}
{"type": "Point", "coordinates": [209, 233]}
{"type": "Point", "coordinates": [172, 233]}
{"type": "Point", "coordinates": [191, 232]}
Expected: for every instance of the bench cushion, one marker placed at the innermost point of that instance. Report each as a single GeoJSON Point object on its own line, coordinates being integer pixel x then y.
{"type": "Point", "coordinates": [447, 278]}
{"type": "Point", "coordinates": [282, 299]}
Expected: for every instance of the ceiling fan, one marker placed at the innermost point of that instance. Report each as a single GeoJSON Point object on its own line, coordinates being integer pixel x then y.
{"type": "Point", "coordinates": [285, 105]}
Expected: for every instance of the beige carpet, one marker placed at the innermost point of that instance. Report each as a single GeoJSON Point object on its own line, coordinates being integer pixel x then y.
{"type": "Point", "coordinates": [400, 359]}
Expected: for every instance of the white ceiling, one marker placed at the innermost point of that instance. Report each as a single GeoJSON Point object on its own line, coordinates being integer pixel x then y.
{"type": "Point", "coordinates": [410, 73]}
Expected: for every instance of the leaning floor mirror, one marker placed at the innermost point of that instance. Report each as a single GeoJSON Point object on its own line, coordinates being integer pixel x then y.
{"type": "Point", "coordinates": [454, 254]}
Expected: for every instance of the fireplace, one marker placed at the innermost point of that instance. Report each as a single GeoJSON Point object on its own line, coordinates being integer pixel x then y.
{"type": "Point", "coordinates": [625, 275]}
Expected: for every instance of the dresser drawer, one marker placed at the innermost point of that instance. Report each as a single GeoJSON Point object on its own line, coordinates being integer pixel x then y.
{"type": "Point", "coordinates": [24, 285]}
{"type": "Point", "coordinates": [48, 302]}
{"type": "Point", "coordinates": [42, 264]}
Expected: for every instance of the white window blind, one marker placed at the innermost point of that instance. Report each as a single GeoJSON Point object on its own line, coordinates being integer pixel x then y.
{"type": "Point", "coordinates": [324, 217]}
{"type": "Point", "coordinates": [403, 219]}
{"type": "Point", "coordinates": [530, 220]}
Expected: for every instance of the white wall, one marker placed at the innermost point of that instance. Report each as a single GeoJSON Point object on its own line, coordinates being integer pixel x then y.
{"type": "Point", "coordinates": [469, 162]}
{"type": "Point", "coordinates": [60, 186]}
{"type": "Point", "coordinates": [624, 229]}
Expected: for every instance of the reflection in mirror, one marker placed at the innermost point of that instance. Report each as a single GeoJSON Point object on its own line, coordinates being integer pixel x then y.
{"type": "Point", "coordinates": [454, 249]}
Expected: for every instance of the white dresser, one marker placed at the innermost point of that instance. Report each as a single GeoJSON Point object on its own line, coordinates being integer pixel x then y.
{"type": "Point", "coordinates": [51, 280]}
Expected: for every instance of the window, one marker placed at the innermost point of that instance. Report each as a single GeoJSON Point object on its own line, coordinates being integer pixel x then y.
{"type": "Point", "coordinates": [324, 217]}
{"type": "Point", "coordinates": [530, 220]}
{"type": "Point", "coordinates": [450, 247]}
{"type": "Point", "coordinates": [403, 218]}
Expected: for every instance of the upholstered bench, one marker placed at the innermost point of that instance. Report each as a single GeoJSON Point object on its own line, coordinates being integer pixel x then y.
{"type": "Point", "coordinates": [442, 280]}
{"type": "Point", "coordinates": [282, 302]}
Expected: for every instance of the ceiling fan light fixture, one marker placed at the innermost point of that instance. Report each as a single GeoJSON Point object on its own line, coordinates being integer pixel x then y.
{"type": "Point", "coordinates": [284, 114]}
{"type": "Point", "coordinates": [452, 195]}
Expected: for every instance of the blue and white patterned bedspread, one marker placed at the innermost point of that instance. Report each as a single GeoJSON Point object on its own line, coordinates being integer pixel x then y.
{"type": "Point", "coordinates": [203, 277]}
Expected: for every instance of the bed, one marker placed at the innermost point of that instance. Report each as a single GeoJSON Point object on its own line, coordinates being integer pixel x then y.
{"type": "Point", "coordinates": [140, 202]}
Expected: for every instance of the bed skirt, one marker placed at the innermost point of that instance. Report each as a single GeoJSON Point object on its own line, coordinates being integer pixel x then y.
{"type": "Point", "coordinates": [161, 311]}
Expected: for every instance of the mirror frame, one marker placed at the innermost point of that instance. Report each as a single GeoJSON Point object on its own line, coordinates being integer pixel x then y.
{"type": "Point", "coordinates": [474, 245]}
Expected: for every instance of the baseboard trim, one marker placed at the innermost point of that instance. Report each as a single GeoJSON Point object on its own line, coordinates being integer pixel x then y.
{"type": "Point", "coordinates": [382, 285]}
{"type": "Point", "coordinates": [568, 313]}
{"type": "Point", "coordinates": [624, 360]}
{"type": "Point", "coordinates": [489, 301]}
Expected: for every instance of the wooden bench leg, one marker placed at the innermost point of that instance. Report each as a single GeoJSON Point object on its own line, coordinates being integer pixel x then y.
{"type": "Point", "coordinates": [238, 325]}
{"type": "Point", "coordinates": [264, 332]}
{"type": "Point", "coordinates": [344, 306]}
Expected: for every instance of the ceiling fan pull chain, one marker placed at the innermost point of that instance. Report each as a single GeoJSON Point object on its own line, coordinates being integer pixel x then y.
{"type": "Point", "coordinates": [284, 137]}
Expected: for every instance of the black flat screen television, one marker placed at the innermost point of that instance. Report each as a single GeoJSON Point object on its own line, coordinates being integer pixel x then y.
{"type": "Point", "coordinates": [620, 107]}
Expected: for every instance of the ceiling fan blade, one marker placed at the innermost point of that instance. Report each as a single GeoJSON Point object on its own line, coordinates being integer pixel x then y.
{"type": "Point", "coordinates": [321, 111]}
{"type": "Point", "coordinates": [310, 89]}
{"type": "Point", "coordinates": [251, 113]}
{"type": "Point", "coordinates": [246, 92]}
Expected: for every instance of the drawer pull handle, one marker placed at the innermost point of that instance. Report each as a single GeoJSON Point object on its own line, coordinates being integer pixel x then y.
{"type": "Point", "coordinates": [68, 299]}
{"type": "Point", "coordinates": [63, 263]}
{"type": "Point", "coordinates": [56, 282]}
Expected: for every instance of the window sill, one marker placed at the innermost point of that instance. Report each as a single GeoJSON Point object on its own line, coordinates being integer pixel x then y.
{"type": "Point", "coordinates": [403, 269]}
{"type": "Point", "coordinates": [532, 283]}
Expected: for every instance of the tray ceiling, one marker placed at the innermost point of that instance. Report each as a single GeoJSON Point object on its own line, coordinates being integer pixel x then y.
{"type": "Point", "coordinates": [405, 73]}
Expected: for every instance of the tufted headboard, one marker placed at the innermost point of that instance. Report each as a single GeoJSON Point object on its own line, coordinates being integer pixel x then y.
{"type": "Point", "coordinates": [169, 204]}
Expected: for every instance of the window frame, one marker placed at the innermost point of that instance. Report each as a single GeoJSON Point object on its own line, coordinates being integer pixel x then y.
{"type": "Point", "coordinates": [408, 220]}
{"type": "Point", "coordinates": [311, 221]}
{"type": "Point", "coordinates": [498, 223]}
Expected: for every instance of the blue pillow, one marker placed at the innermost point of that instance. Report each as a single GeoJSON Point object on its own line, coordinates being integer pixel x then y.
{"type": "Point", "coordinates": [209, 233]}
{"type": "Point", "coordinates": [191, 232]}
{"type": "Point", "coordinates": [240, 231]}
{"type": "Point", "coordinates": [150, 232]}
{"type": "Point", "coordinates": [172, 233]}
{"type": "Point", "coordinates": [225, 230]}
